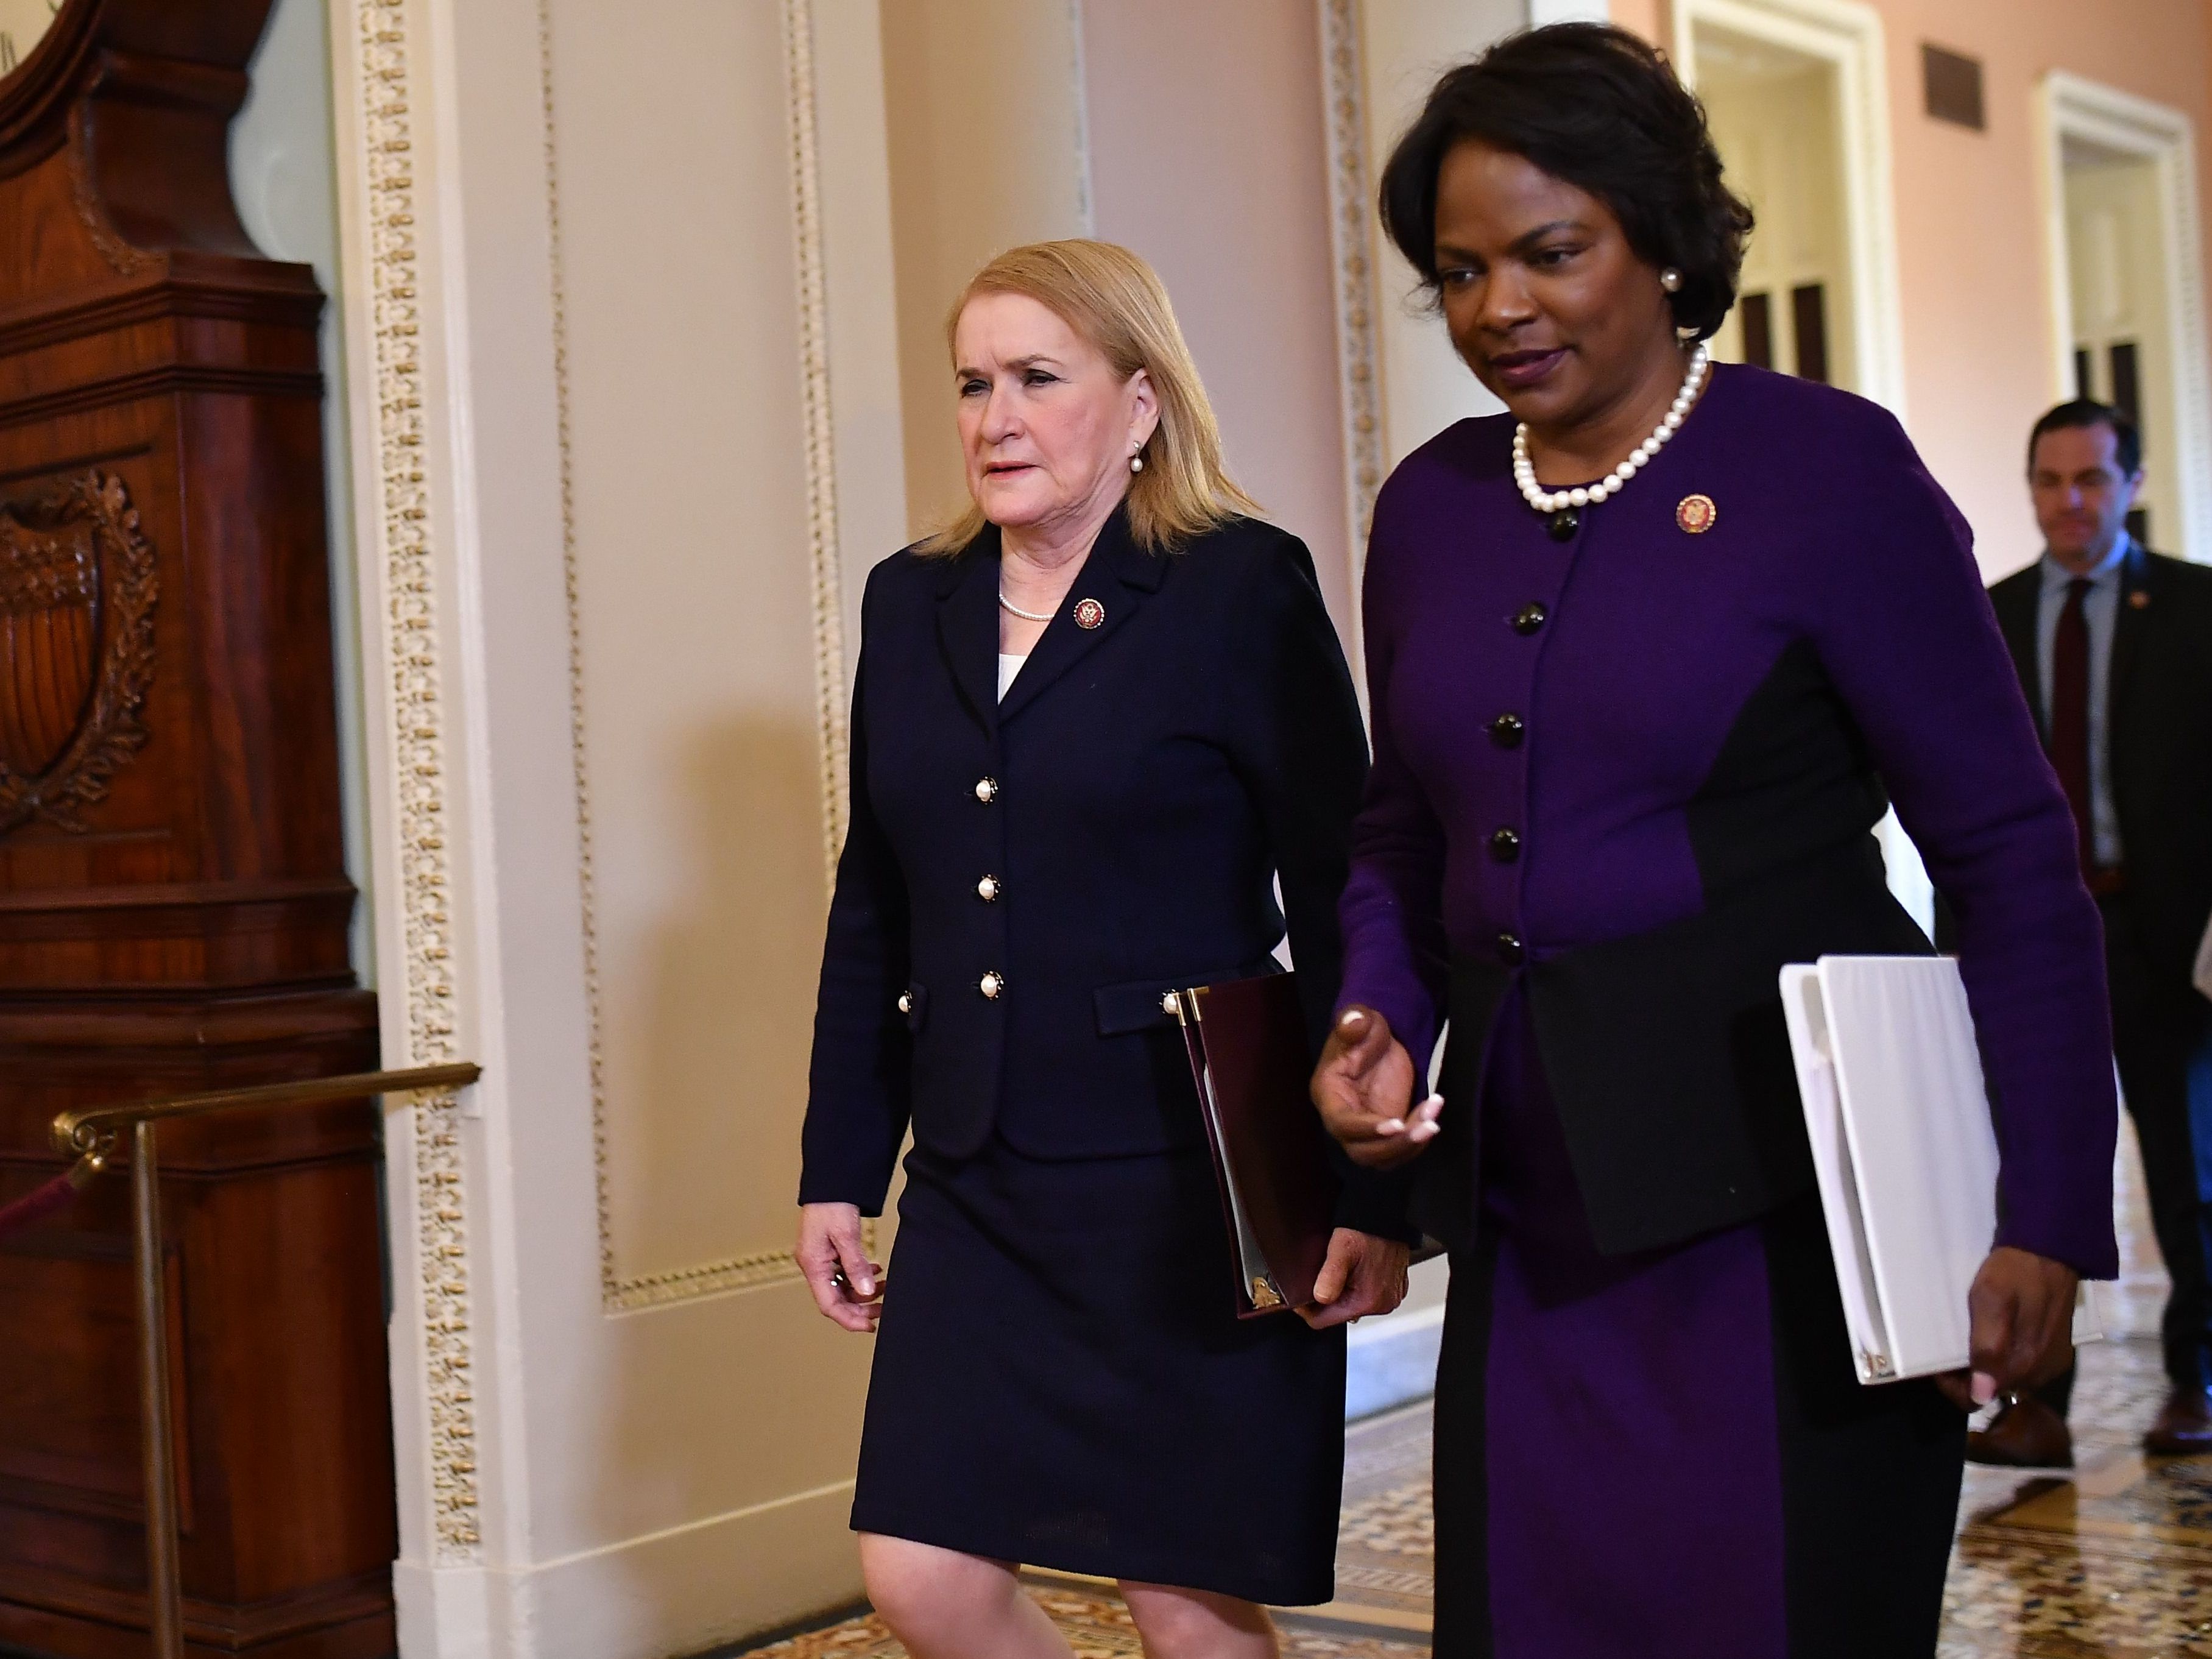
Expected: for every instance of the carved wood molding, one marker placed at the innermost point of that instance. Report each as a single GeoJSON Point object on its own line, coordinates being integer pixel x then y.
{"type": "Point", "coordinates": [124, 259]}
{"type": "Point", "coordinates": [78, 585]}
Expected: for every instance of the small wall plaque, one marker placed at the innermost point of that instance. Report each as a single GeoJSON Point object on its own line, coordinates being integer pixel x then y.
{"type": "Point", "coordinates": [1953, 85]}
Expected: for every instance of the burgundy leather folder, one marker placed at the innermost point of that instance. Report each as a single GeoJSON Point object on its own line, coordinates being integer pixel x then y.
{"type": "Point", "coordinates": [1247, 1043]}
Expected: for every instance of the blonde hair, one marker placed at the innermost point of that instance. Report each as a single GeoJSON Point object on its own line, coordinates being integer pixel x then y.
{"type": "Point", "coordinates": [1115, 300]}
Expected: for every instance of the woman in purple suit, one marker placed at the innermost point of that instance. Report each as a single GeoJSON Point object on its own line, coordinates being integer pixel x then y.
{"type": "Point", "coordinates": [1650, 655]}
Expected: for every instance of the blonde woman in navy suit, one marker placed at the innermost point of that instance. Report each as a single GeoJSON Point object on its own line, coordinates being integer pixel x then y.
{"type": "Point", "coordinates": [1095, 722]}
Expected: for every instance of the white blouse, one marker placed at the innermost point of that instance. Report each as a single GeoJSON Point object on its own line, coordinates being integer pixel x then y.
{"type": "Point", "coordinates": [1010, 664]}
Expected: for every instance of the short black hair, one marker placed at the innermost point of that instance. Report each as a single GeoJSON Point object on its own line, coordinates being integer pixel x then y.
{"type": "Point", "coordinates": [2127, 442]}
{"type": "Point", "coordinates": [1596, 106]}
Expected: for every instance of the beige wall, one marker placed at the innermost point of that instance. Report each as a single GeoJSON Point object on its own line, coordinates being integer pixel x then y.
{"type": "Point", "coordinates": [1207, 157]}
{"type": "Point", "coordinates": [1652, 19]}
{"type": "Point", "coordinates": [983, 106]}
{"type": "Point", "coordinates": [1406, 45]}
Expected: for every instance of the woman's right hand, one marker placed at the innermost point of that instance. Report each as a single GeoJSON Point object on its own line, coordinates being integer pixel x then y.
{"type": "Point", "coordinates": [1363, 1086]}
{"type": "Point", "coordinates": [829, 1244]}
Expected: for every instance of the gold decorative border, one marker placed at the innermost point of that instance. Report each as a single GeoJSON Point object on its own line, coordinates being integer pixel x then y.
{"type": "Point", "coordinates": [402, 495]}
{"type": "Point", "coordinates": [822, 546]}
{"type": "Point", "coordinates": [1358, 344]}
{"type": "Point", "coordinates": [617, 1293]}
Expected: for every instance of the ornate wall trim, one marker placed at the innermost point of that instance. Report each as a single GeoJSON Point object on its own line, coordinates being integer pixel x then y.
{"type": "Point", "coordinates": [1358, 341]}
{"type": "Point", "coordinates": [620, 1294]}
{"type": "Point", "coordinates": [400, 491]}
{"type": "Point", "coordinates": [821, 544]}
{"type": "Point", "coordinates": [1086, 210]}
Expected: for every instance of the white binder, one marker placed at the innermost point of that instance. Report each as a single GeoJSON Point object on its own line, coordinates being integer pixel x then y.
{"type": "Point", "coordinates": [1904, 1150]}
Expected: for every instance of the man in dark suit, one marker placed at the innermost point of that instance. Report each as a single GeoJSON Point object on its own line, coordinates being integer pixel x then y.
{"type": "Point", "coordinates": [2113, 643]}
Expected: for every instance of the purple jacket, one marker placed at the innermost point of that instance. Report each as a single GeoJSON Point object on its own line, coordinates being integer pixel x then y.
{"type": "Point", "coordinates": [1630, 775]}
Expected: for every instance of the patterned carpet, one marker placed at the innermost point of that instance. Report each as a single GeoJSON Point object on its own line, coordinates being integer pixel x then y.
{"type": "Point", "coordinates": [2114, 1563]}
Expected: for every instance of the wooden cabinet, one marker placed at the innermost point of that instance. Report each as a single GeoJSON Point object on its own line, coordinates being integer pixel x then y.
{"type": "Point", "coordinates": [173, 905]}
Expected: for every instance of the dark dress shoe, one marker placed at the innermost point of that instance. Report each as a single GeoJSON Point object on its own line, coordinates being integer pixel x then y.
{"type": "Point", "coordinates": [2184, 1427]}
{"type": "Point", "coordinates": [2027, 1434]}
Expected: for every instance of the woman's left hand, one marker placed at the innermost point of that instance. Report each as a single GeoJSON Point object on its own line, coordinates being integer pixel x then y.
{"type": "Point", "coordinates": [2022, 1309]}
{"type": "Point", "coordinates": [1364, 1275]}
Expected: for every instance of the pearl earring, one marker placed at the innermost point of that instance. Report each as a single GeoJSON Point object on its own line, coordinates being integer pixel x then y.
{"type": "Point", "coordinates": [1671, 280]}
{"type": "Point", "coordinates": [1136, 462]}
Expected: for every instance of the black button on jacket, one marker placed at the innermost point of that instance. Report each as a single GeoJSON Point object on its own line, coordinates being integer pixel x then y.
{"type": "Point", "coordinates": [1156, 775]}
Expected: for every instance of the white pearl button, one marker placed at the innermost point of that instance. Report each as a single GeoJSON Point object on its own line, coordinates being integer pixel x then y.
{"type": "Point", "coordinates": [990, 985]}
{"type": "Point", "coordinates": [987, 790]}
{"type": "Point", "coordinates": [906, 1002]}
{"type": "Point", "coordinates": [1168, 1005]}
{"type": "Point", "coordinates": [987, 889]}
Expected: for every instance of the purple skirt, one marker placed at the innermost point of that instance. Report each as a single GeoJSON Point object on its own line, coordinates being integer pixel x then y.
{"type": "Point", "coordinates": [1668, 1455]}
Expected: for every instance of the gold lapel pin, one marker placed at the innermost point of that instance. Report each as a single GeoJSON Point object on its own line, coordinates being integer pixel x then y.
{"type": "Point", "coordinates": [1089, 613]}
{"type": "Point", "coordinates": [2140, 600]}
{"type": "Point", "coordinates": [1696, 514]}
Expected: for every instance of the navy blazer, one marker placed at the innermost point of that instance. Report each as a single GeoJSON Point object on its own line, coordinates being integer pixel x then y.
{"type": "Point", "coordinates": [1114, 828]}
{"type": "Point", "coordinates": [2160, 721]}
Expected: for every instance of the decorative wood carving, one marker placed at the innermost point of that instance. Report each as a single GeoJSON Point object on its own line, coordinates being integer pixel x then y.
{"type": "Point", "coordinates": [174, 901]}
{"type": "Point", "coordinates": [77, 589]}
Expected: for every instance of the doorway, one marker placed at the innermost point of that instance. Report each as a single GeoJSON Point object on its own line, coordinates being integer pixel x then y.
{"type": "Point", "coordinates": [2126, 291]}
{"type": "Point", "coordinates": [1796, 96]}
{"type": "Point", "coordinates": [1773, 115]}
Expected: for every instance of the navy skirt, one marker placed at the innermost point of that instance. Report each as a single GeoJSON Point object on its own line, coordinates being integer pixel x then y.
{"type": "Point", "coordinates": [1060, 1381]}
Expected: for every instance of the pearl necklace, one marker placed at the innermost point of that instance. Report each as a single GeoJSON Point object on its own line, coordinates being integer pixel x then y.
{"type": "Point", "coordinates": [1557, 501]}
{"type": "Point", "coordinates": [1026, 616]}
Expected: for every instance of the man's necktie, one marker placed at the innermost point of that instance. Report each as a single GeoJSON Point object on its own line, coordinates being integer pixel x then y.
{"type": "Point", "coordinates": [2069, 715]}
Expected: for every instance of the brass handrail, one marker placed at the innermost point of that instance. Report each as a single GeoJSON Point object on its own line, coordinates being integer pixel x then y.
{"type": "Point", "coordinates": [91, 1136]}
{"type": "Point", "coordinates": [82, 1133]}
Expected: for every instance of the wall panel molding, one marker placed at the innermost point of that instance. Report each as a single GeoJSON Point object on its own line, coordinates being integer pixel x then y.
{"type": "Point", "coordinates": [822, 546]}
{"type": "Point", "coordinates": [620, 1292]}
{"type": "Point", "coordinates": [1359, 345]}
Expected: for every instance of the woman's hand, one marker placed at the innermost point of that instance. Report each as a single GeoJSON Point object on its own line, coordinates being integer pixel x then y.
{"type": "Point", "coordinates": [2022, 1308]}
{"type": "Point", "coordinates": [829, 1245]}
{"type": "Point", "coordinates": [1364, 1275]}
{"type": "Point", "coordinates": [1363, 1085]}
